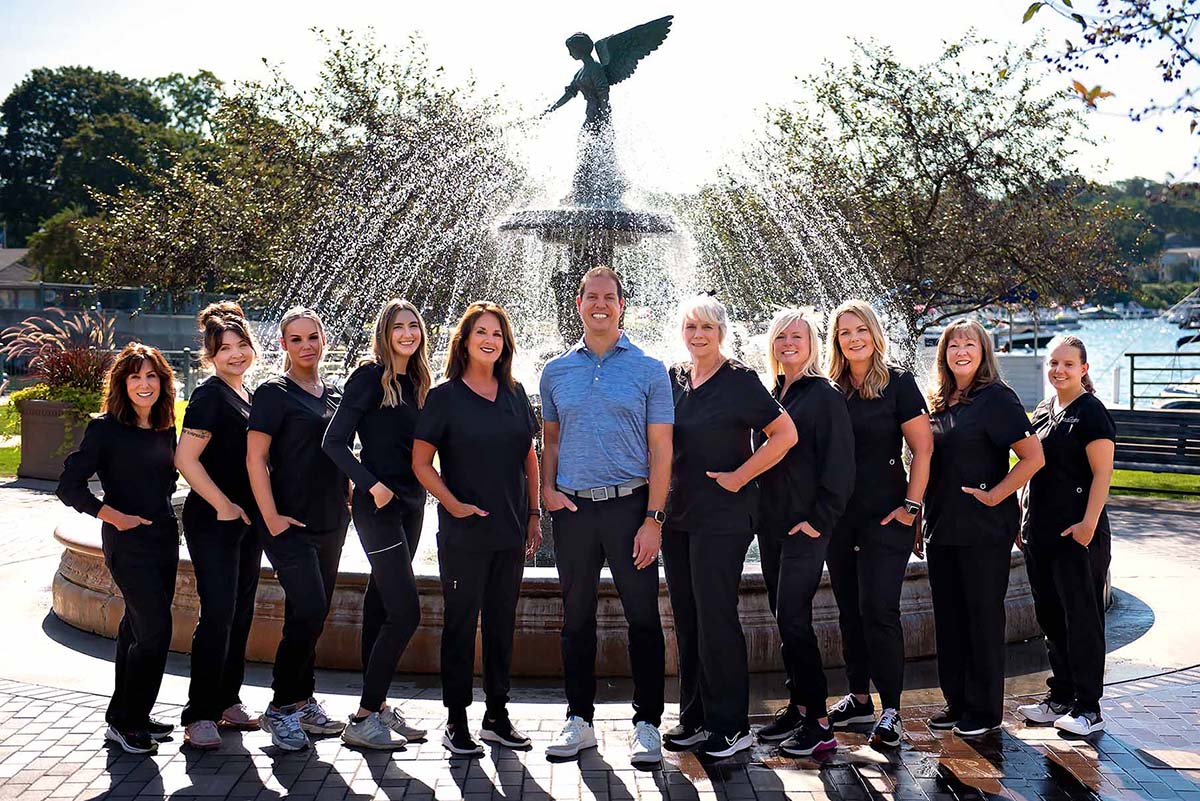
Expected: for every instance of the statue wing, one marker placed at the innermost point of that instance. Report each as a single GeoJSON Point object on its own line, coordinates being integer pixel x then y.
{"type": "Point", "coordinates": [621, 52]}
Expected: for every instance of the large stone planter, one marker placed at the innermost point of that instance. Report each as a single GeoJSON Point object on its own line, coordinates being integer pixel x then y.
{"type": "Point", "coordinates": [49, 431]}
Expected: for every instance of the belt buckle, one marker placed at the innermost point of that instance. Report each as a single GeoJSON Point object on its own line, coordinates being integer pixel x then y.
{"type": "Point", "coordinates": [603, 493]}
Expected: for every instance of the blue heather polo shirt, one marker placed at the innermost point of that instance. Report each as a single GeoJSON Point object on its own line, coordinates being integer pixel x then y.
{"type": "Point", "coordinates": [602, 406]}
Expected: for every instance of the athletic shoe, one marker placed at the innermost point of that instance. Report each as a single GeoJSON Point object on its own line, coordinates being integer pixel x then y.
{"type": "Point", "coordinates": [501, 731]}
{"type": "Point", "coordinates": [850, 711]}
{"type": "Point", "coordinates": [787, 721]}
{"type": "Point", "coordinates": [158, 730]}
{"type": "Point", "coordinates": [202, 735]}
{"type": "Point", "coordinates": [131, 742]}
{"type": "Point", "coordinates": [1080, 722]}
{"type": "Point", "coordinates": [969, 727]}
{"type": "Point", "coordinates": [645, 747]}
{"type": "Point", "coordinates": [945, 720]}
{"type": "Point", "coordinates": [284, 728]}
{"type": "Point", "coordinates": [888, 730]}
{"type": "Point", "coordinates": [239, 717]}
{"type": "Point", "coordinates": [718, 746]}
{"type": "Point", "coordinates": [372, 732]}
{"type": "Point", "coordinates": [314, 720]}
{"type": "Point", "coordinates": [391, 716]}
{"type": "Point", "coordinates": [810, 738]}
{"type": "Point", "coordinates": [576, 735]}
{"type": "Point", "coordinates": [457, 740]}
{"type": "Point", "coordinates": [1044, 711]}
{"type": "Point", "coordinates": [681, 738]}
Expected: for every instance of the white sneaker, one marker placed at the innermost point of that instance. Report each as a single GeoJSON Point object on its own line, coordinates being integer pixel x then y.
{"type": "Point", "coordinates": [1044, 711]}
{"type": "Point", "coordinates": [314, 720]}
{"type": "Point", "coordinates": [1079, 722]}
{"type": "Point", "coordinates": [575, 736]}
{"type": "Point", "coordinates": [395, 721]}
{"type": "Point", "coordinates": [373, 732]}
{"type": "Point", "coordinates": [645, 747]}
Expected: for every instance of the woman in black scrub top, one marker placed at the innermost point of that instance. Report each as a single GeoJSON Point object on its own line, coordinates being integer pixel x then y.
{"type": "Point", "coordinates": [711, 511]}
{"type": "Point", "coordinates": [481, 426]}
{"type": "Point", "coordinates": [802, 498]}
{"type": "Point", "coordinates": [302, 497]}
{"type": "Point", "coordinates": [131, 447]}
{"type": "Point", "coordinates": [971, 522]}
{"type": "Point", "coordinates": [1068, 543]}
{"type": "Point", "coordinates": [869, 551]}
{"type": "Point", "coordinates": [217, 523]}
{"type": "Point", "coordinates": [380, 403]}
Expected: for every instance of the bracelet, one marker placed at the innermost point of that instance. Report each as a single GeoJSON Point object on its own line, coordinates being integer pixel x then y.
{"type": "Point", "coordinates": [535, 512]}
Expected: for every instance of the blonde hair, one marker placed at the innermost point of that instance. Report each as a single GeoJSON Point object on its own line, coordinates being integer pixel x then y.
{"type": "Point", "coordinates": [784, 319]}
{"type": "Point", "coordinates": [418, 369]}
{"type": "Point", "coordinates": [987, 374]}
{"type": "Point", "coordinates": [292, 315]}
{"type": "Point", "coordinates": [707, 309]}
{"type": "Point", "coordinates": [1077, 343]}
{"type": "Point", "coordinates": [837, 367]}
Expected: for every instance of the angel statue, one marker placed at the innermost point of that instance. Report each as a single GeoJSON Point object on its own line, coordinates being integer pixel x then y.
{"type": "Point", "coordinates": [598, 180]}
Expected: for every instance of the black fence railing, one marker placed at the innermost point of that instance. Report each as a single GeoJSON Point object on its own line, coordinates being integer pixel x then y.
{"type": "Point", "coordinates": [1164, 380]}
{"type": "Point", "coordinates": [36, 296]}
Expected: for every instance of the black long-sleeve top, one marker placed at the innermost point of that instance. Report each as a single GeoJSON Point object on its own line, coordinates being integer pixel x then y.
{"type": "Point", "coordinates": [136, 467]}
{"type": "Point", "coordinates": [815, 478]}
{"type": "Point", "coordinates": [386, 434]}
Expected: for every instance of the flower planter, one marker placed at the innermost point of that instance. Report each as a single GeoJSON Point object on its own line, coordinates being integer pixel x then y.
{"type": "Point", "coordinates": [49, 431]}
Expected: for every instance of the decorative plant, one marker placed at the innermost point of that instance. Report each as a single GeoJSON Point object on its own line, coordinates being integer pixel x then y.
{"type": "Point", "coordinates": [68, 354]}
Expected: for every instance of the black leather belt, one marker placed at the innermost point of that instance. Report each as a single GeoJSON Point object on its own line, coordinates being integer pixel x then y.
{"type": "Point", "coordinates": [607, 493]}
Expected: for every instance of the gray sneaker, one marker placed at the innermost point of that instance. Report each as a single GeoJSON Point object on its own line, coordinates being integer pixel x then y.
{"type": "Point", "coordinates": [314, 720]}
{"type": "Point", "coordinates": [372, 732]}
{"type": "Point", "coordinates": [284, 728]}
{"type": "Point", "coordinates": [392, 718]}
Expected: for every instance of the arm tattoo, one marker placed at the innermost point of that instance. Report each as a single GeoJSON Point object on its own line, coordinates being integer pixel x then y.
{"type": "Point", "coordinates": [197, 433]}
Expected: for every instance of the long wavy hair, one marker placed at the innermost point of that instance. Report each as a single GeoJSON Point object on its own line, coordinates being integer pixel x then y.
{"type": "Point", "coordinates": [214, 320]}
{"type": "Point", "coordinates": [837, 367]}
{"type": "Point", "coordinates": [988, 373]}
{"type": "Point", "coordinates": [116, 401]}
{"type": "Point", "coordinates": [418, 370]}
{"type": "Point", "coordinates": [784, 319]}
{"type": "Point", "coordinates": [292, 315]}
{"type": "Point", "coordinates": [457, 356]}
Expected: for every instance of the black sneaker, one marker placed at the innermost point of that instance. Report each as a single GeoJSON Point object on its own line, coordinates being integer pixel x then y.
{"type": "Point", "coordinates": [974, 727]}
{"type": "Point", "coordinates": [809, 739]}
{"type": "Point", "coordinates": [720, 746]}
{"type": "Point", "coordinates": [787, 721]}
{"type": "Point", "coordinates": [158, 730]}
{"type": "Point", "coordinates": [458, 740]}
{"type": "Point", "coordinates": [888, 730]}
{"type": "Point", "coordinates": [132, 742]}
{"type": "Point", "coordinates": [850, 711]}
{"type": "Point", "coordinates": [681, 738]}
{"type": "Point", "coordinates": [500, 730]}
{"type": "Point", "coordinates": [945, 720]}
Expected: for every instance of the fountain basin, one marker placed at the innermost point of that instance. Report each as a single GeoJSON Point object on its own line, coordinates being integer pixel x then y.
{"type": "Point", "coordinates": [85, 597]}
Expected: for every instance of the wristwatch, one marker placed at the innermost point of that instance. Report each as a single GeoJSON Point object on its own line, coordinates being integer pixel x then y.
{"type": "Point", "coordinates": [657, 515]}
{"type": "Point", "coordinates": [912, 507]}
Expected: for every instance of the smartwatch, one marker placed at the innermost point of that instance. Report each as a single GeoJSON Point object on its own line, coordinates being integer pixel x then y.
{"type": "Point", "coordinates": [657, 515]}
{"type": "Point", "coordinates": [912, 507]}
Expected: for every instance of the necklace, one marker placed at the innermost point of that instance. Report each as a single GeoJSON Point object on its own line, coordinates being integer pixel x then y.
{"type": "Point", "coordinates": [311, 387]}
{"type": "Point", "coordinates": [698, 379]}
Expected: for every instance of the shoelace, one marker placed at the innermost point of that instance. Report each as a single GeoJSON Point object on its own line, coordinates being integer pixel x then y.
{"type": "Point", "coordinates": [291, 723]}
{"type": "Point", "coordinates": [782, 712]}
{"type": "Point", "coordinates": [573, 729]}
{"type": "Point", "coordinates": [846, 703]}
{"type": "Point", "coordinates": [888, 719]}
{"type": "Point", "coordinates": [644, 736]}
{"type": "Point", "coordinates": [314, 710]}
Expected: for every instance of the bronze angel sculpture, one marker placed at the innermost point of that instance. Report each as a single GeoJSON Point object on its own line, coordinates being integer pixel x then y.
{"type": "Point", "coordinates": [598, 181]}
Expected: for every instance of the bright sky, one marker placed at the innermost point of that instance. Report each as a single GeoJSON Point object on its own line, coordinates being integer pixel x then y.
{"type": "Point", "coordinates": [689, 105]}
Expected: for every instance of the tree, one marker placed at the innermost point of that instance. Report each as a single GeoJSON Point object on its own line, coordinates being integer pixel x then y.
{"type": "Point", "coordinates": [55, 249]}
{"type": "Point", "coordinates": [958, 184]}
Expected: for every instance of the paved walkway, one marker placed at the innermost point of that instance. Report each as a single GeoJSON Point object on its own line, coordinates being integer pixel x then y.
{"type": "Point", "coordinates": [53, 684]}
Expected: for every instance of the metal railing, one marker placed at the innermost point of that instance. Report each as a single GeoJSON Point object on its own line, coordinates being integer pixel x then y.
{"type": "Point", "coordinates": [1161, 376]}
{"type": "Point", "coordinates": [35, 296]}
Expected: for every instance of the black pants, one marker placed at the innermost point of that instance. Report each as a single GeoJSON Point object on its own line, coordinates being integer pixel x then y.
{"type": "Point", "coordinates": [143, 562]}
{"type": "Point", "coordinates": [583, 541]}
{"type": "Point", "coordinates": [792, 567]}
{"type": "Point", "coordinates": [703, 574]}
{"type": "Point", "coordinates": [226, 557]}
{"type": "Point", "coordinates": [1067, 580]}
{"type": "Point", "coordinates": [968, 585]}
{"type": "Point", "coordinates": [306, 565]}
{"type": "Point", "coordinates": [479, 588]}
{"type": "Point", "coordinates": [866, 572]}
{"type": "Point", "coordinates": [391, 604]}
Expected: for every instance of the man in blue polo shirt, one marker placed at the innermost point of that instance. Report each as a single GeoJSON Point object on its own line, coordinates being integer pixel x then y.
{"type": "Point", "coordinates": [606, 469]}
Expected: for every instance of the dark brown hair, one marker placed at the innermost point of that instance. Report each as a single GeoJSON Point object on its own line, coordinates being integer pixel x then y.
{"type": "Point", "coordinates": [986, 374]}
{"type": "Point", "coordinates": [214, 320]}
{"type": "Point", "coordinates": [116, 400]}
{"type": "Point", "coordinates": [457, 357]}
{"type": "Point", "coordinates": [601, 272]}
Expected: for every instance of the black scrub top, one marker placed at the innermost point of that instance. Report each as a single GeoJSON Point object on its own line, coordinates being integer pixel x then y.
{"type": "Point", "coordinates": [1058, 493]}
{"type": "Point", "coordinates": [971, 442]}
{"type": "Point", "coordinates": [136, 468]}
{"type": "Point", "coordinates": [814, 479]}
{"type": "Point", "coordinates": [481, 446]}
{"type": "Point", "coordinates": [305, 483]}
{"type": "Point", "coordinates": [385, 432]}
{"type": "Point", "coordinates": [214, 407]}
{"type": "Point", "coordinates": [880, 482]}
{"type": "Point", "coordinates": [714, 425]}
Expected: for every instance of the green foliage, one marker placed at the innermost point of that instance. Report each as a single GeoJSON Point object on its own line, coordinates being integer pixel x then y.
{"type": "Point", "coordinates": [10, 460]}
{"type": "Point", "coordinates": [1163, 296]}
{"type": "Point", "coordinates": [56, 251]}
{"type": "Point", "coordinates": [86, 401]}
{"type": "Point", "coordinates": [10, 418]}
{"type": "Point", "coordinates": [1136, 482]}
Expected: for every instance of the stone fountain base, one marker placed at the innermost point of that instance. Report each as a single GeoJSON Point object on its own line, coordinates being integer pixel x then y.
{"type": "Point", "coordinates": [85, 597]}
